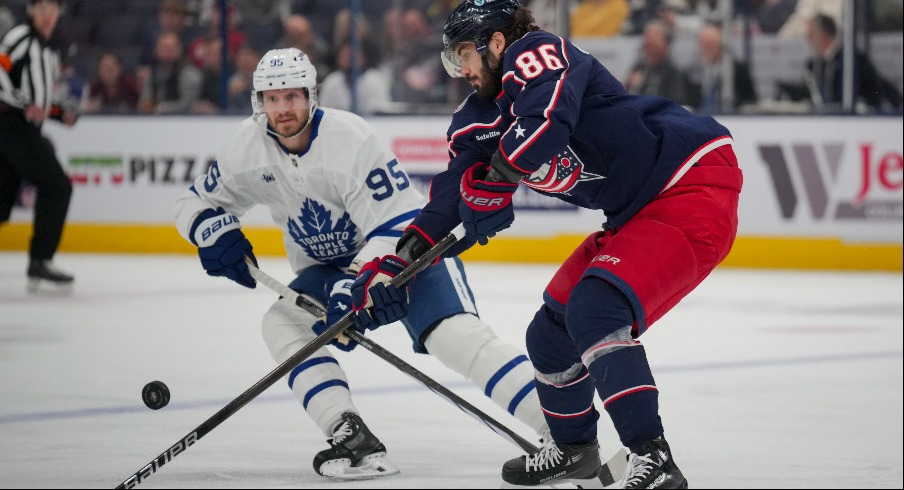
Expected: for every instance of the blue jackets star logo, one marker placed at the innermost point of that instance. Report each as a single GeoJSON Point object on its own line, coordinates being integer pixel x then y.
{"type": "Point", "coordinates": [560, 175]}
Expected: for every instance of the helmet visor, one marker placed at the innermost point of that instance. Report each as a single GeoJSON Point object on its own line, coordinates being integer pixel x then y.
{"type": "Point", "coordinates": [451, 62]}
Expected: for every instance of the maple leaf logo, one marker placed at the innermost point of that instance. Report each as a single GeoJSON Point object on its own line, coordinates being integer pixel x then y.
{"type": "Point", "coordinates": [315, 232]}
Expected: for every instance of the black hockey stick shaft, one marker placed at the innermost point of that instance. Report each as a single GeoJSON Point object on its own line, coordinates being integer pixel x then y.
{"type": "Point", "coordinates": [400, 364]}
{"type": "Point", "coordinates": [441, 390]}
{"type": "Point", "coordinates": [283, 369]}
{"type": "Point", "coordinates": [611, 470]}
{"type": "Point", "coordinates": [609, 473]}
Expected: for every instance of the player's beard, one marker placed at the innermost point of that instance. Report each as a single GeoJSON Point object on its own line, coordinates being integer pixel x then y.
{"type": "Point", "coordinates": [490, 79]}
{"type": "Point", "coordinates": [288, 129]}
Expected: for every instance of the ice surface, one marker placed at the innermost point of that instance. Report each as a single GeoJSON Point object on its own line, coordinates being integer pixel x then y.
{"type": "Point", "coordinates": [768, 379]}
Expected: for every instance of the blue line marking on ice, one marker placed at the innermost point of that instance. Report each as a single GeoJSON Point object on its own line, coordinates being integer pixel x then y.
{"type": "Point", "coordinates": [389, 390]}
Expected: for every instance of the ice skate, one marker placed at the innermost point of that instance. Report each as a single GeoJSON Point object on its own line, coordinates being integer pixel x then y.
{"type": "Point", "coordinates": [355, 453]}
{"type": "Point", "coordinates": [553, 464]}
{"type": "Point", "coordinates": [651, 466]}
{"type": "Point", "coordinates": [42, 273]}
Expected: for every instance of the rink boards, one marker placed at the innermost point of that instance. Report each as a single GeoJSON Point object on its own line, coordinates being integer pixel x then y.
{"type": "Point", "coordinates": [819, 192]}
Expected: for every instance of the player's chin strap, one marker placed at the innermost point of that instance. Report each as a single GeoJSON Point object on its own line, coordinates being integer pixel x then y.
{"type": "Point", "coordinates": [272, 133]}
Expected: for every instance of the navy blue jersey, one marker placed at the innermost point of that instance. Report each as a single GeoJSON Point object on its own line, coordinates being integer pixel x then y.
{"type": "Point", "coordinates": [566, 121]}
{"type": "Point", "coordinates": [473, 136]}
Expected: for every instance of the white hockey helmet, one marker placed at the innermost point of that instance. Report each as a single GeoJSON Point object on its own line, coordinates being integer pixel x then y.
{"type": "Point", "coordinates": [284, 68]}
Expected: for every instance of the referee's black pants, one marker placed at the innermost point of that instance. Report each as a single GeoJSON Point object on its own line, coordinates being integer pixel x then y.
{"type": "Point", "coordinates": [25, 154]}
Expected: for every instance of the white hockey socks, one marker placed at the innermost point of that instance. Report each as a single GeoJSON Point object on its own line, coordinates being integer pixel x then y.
{"type": "Point", "coordinates": [319, 382]}
{"type": "Point", "coordinates": [468, 346]}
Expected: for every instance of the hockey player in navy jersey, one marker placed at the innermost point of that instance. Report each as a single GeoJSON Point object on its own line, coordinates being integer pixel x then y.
{"type": "Point", "coordinates": [340, 198]}
{"type": "Point", "coordinates": [550, 117]}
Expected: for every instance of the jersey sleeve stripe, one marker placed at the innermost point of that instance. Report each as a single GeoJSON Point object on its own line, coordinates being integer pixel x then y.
{"type": "Point", "coordinates": [468, 129]}
{"type": "Point", "coordinates": [386, 229]}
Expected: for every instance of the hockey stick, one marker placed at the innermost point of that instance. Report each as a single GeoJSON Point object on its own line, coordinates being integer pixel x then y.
{"type": "Point", "coordinates": [283, 369]}
{"type": "Point", "coordinates": [611, 469]}
{"type": "Point", "coordinates": [284, 291]}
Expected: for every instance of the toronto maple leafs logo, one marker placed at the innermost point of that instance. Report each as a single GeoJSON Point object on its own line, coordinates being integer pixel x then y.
{"type": "Point", "coordinates": [319, 237]}
{"type": "Point", "coordinates": [561, 174]}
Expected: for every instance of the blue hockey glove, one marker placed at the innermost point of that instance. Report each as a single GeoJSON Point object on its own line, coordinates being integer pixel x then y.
{"type": "Point", "coordinates": [485, 207]}
{"type": "Point", "coordinates": [222, 246]}
{"type": "Point", "coordinates": [376, 301]}
{"type": "Point", "coordinates": [339, 305]}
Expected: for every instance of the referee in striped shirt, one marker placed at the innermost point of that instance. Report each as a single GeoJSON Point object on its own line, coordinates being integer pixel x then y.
{"type": "Point", "coordinates": [29, 72]}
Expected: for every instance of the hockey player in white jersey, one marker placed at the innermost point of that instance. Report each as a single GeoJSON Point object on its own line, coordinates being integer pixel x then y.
{"type": "Point", "coordinates": [341, 199]}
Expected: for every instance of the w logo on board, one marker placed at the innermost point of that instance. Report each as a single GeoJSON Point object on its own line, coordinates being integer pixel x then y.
{"type": "Point", "coordinates": [815, 173]}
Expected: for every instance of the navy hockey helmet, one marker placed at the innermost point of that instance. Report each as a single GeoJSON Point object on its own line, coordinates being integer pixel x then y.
{"type": "Point", "coordinates": [473, 21]}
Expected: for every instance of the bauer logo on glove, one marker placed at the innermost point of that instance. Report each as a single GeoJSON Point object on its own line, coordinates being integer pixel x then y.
{"type": "Point", "coordinates": [382, 301]}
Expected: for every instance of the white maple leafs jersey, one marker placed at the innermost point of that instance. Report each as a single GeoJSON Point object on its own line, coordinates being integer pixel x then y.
{"type": "Point", "coordinates": [345, 196]}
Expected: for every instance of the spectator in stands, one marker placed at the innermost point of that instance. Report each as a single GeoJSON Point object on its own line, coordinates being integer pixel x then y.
{"type": "Point", "coordinates": [825, 70]}
{"type": "Point", "coordinates": [709, 73]}
{"type": "Point", "coordinates": [546, 16]}
{"type": "Point", "coordinates": [418, 73]}
{"type": "Point", "coordinates": [655, 73]}
{"type": "Point", "coordinates": [797, 23]}
{"type": "Point", "coordinates": [438, 12]}
{"type": "Point", "coordinates": [683, 19]}
{"type": "Point", "coordinates": [197, 50]}
{"type": "Point", "coordinates": [342, 33]}
{"type": "Point", "coordinates": [170, 18]}
{"type": "Point", "coordinates": [261, 20]}
{"type": "Point", "coordinates": [598, 18]}
{"type": "Point", "coordinates": [240, 82]}
{"type": "Point", "coordinates": [209, 97]}
{"type": "Point", "coordinates": [642, 11]}
{"type": "Point", "coordinates": [372, 86]}
{"type": "Point", "coordinates": [174, 83]}
{"type": "Point", "coordinates": [298, 33]}
{"type": "Point", "coordinates": [113, 90]}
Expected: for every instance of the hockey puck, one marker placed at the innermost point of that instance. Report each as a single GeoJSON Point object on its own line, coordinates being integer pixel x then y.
{"type": "Point", "coordinates": [155, 395]}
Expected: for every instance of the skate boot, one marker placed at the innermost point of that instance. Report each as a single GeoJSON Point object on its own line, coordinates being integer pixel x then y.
{"type": "Point", "coordinates": [651, 466]}
{"type": "Point", "coordinates": [42, 271]}
{"type": "Point", "coordinates": [554, 463]}
{"type": "Point", "coordinates": [355, 453]}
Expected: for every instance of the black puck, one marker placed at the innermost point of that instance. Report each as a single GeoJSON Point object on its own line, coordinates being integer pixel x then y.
{"type": "Point", "coordinates": [155, 395]}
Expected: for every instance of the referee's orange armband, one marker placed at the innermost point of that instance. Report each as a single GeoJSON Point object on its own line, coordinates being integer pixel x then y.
{"type": "Point", "coordinates": [6, 63]}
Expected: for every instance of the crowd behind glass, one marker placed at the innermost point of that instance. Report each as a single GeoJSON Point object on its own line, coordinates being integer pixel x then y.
{"type": "Point", "coordinates": [778, 56]}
